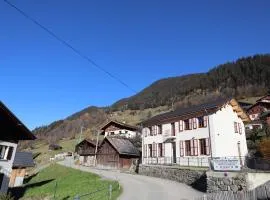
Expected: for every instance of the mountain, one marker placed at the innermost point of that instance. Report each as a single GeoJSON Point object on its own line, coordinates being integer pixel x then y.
{"type": "Point", "coordinates": [246, 77]}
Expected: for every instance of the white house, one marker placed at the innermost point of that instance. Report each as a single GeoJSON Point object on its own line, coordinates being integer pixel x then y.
{"type": "Point", "coordinates": [190, 136]}
{"type": "Point", "coordinates": [12, 130]}
{"type": "Point", "coordinates": [119, 128]}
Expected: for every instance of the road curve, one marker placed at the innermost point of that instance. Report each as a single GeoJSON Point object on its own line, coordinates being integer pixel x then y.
{"type": "Point", "coordinates": [137, 187]}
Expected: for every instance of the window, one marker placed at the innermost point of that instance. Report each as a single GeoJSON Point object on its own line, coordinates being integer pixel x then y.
{"type": "Point", "coordinates": [191, 147]}
{"type": "Point", "coordinates": [201, 122]}
{"type": "Point", "coordinates": [161, 150]}
{"type": "Point", "coordinates": [112, 133]}
{"type": "Point", "coordinates": [235, 127]}
{"type": "Point", "coordinates": [150, 150]}
{"type": "Point", "coordinates": [120, 132]}
{"type": "Point", "coordinates": [188, 148]}
{"type": "Point", "coordinates": [6, 152]}
{"type": "Point", "coordinates": [188, 124]}
{"type": "Point", "coordinates": [151, 130]}
{"type": "Point", "coordinates": [181, 148]}
{"type": "Point", "coordinates": [155, 130]}
{"type": "Point", "coordinates": [159, 129]}
{"type": "Point", "coordinates": [126, 132]}
{"type": "Point", "coordinates": [181, 126]}
{"type": "Point", "coordinates": [173, 129]}
{"type": "Point", "coordinates": [204, 146]}
{"type": "Point", "coordinates": [240, 128]}
{"type": "Point", "coordinates": [194, 123]}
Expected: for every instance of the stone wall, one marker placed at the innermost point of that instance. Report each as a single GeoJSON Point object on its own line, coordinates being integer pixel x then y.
{"type": "Point", "coordinates": [194, 178]}
{"type": "Point", "coordinates": [226, 181]}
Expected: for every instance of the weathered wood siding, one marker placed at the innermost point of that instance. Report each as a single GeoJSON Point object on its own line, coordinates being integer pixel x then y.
{"type": "Point", "coordinates": [85, 148]}
{"type": "Point", "coordinates": [107, 156]}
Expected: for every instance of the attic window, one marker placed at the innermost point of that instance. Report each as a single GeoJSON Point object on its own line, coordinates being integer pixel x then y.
{"type": "Point", "coordinates": [6, 152]}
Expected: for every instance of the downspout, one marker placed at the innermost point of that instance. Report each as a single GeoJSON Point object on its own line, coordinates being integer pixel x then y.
{"type": "Point", "coordinates": [209, 133]}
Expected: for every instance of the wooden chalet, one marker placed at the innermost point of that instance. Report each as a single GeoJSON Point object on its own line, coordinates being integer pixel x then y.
{"type": "Point", "coordinates": [22, 161]}
{"type": "Point", "coordinates": [262, 105]}
{"type": "Point", "coordinates": [119, 128]}
{"type": "Point", "coordinates": [86, 150]}
{"type": "Point", "coordinates": [116, 153]}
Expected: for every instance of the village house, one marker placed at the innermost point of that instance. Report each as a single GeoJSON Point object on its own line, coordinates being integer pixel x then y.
{"type": "Point", "coordinates": [119, 128]}
{"type": "Point", "coordinates": [116, 153]}
{"type": "Point", "coordinates": [262, 105]}
{"type": "Point", "coordinates": [190, 136]}
{"type": "Point", "coordinates": [86, 150]}
{"type": "Point", "coordinates": [12, 130]}
{"type": "Point", "coordinates": [22, 161]}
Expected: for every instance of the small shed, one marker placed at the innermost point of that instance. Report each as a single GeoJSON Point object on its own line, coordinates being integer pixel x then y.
{"type": "Point", "coordinates": [22, 161]}
{"type": "Point", "coordinates": [86, 150]}
{"type": "Point", "coordinates": [116, 153]}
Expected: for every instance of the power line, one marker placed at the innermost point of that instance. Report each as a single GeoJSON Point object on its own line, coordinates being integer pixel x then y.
{"type": "Point", "coordinates": [69, 45]}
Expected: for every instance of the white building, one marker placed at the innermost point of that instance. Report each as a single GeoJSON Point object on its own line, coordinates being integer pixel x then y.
{"type": "Point", "coordinates": [191, 135]}
{"type": "Point", "coordinates": [12, 130]}
{"type": "Point", "coordinates": [121, 129]}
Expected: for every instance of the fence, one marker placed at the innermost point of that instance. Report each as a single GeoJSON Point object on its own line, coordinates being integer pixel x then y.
{"type": "Point", "coordinates": [105, 193]}
{"type": "Point", "coordinates": [262, 193]}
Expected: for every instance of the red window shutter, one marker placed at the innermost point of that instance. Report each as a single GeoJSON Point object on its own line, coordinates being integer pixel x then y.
{"type": "Point", "coordinates": [194, 123]}
{"type": "Point", "coordinates": [163, 150]}
{"type": "Point", "coordinates": [207, 146]}
{"type": "Point", "coordinates": [180, 125]}
{"type": "Point", "coordinates": [205, 121]}
{"type": "Point", "coordinates": [195, 147]}
{"type": "Point", "coordinates": [192, 147]}
{"type": "Point", "coordinates": [181, 148]}
{"type": "Point", "coordinates": [190, 124]}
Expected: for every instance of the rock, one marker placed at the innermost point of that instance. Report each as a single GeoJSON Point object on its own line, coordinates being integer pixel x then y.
{"type": "Point", "coordinates": [234, 188]}
{"type": "Point", "coordinates": [226, 181]}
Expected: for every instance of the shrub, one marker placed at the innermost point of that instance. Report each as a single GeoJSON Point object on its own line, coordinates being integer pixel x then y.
{"type": "Point", "coordinates": [264, 148]}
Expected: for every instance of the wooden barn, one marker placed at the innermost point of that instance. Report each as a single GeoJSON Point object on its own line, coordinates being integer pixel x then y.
{"type": "Point", "coordinates": [86, 150]}
{"type": "Point", "coordinates": [116, 153]}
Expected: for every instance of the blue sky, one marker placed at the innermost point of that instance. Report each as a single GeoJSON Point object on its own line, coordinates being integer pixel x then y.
{"type": "Point", "coordinates": [138, 41]}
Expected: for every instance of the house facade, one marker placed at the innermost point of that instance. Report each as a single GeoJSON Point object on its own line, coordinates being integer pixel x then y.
{"type": "Point", "coordinates": [190, 136]}
{"type": "Point", "coordinates": [121, 129]}
{"type": "Point", "coordinates": [12, 131]}
{"type": "Point", "coordinates": [262, 105]}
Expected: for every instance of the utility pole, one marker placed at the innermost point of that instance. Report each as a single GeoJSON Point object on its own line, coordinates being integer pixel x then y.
{"type": "Point", "coordinates": [96, 148]}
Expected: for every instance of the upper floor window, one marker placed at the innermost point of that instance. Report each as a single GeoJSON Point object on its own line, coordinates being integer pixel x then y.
{"type": "Point", "coordinates": [160, 129]}
{"type": "Point", "coordinates": [202, 121]}
{"type": "Point", "coordinates": [235, 127]}
{"type": "Point", "coordinates": [151, 130]}
{"type": "Point", "coordinates": [240, 128]}
{"type": "Point", "coordinates": [188, 124]}
{"type": "Point", "coordinates": [112, 133]}
{"type": "Point", "coordinates": [6, 152]}
{"type": "Point", "coordinates": [173, 129]}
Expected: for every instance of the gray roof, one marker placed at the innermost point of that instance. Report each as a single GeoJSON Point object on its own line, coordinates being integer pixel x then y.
{"type": "Point", "coordinates": [206, 108]}
{"type": "Point", "coordinates": [123, 146]}
{"type": "Point", "coordinates": [23, 159]}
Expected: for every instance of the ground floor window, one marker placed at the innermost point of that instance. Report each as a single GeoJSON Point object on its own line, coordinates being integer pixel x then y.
{"type": "Point", "coordinates": [204, 146]}
{"type": "Point", "coordinates": [191, 147]}
{"type": "Point", "coordinates": [150, 150]}
{"type": "Point", "coordinates": [161, 149]}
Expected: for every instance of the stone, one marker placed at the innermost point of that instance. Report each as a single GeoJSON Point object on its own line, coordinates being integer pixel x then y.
{"type": "Point", "coordinates": [226, 181]}
{"type": "Point", "coordinates": [224, 188]}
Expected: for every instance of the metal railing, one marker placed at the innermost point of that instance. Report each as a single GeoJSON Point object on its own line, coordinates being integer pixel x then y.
{"type": "Point", "coordinates": [252, 163]}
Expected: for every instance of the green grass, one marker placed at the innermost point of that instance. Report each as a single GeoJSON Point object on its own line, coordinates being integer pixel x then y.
{"type": "Point", "coordinates": [66, 183]}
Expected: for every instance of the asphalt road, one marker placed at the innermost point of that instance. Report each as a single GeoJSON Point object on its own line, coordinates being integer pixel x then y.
{"type": "Point", "coordinates": [137, 187]}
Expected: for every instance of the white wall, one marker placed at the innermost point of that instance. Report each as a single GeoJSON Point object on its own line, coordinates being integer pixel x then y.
{"type": "Point", "coordinates": [124, 132]}
{"type": "Point", "coordinates": [6, 166]}
{"type": "Point", "coordinates": [224, 140]}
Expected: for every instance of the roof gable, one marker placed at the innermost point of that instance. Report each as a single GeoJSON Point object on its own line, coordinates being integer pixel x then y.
{"type": "Point", "coordinates": [11, 127]}
{"type": "Point", "coordinates": [119, 124]}
{"type": "Point", "coordinates": [122, 145]}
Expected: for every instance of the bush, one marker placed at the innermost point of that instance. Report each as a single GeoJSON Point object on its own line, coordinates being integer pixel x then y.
{"type": "Point", "coordinates": [264, 148]}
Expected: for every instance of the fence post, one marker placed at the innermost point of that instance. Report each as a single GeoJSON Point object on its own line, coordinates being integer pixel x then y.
{"type": "Point", "coordinates": [55, 187]}
{"type": "Point", "coordinates": [110, 192]}
{"type": "Point", "coordinates": [77, 197]}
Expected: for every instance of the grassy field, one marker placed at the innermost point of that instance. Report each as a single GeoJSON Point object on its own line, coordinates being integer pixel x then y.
{"type": "Point", "coordinates": [66, 183]}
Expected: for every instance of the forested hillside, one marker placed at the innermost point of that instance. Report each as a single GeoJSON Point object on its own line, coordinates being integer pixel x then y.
{"type": "Point", "coordinates": [245, 77]}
